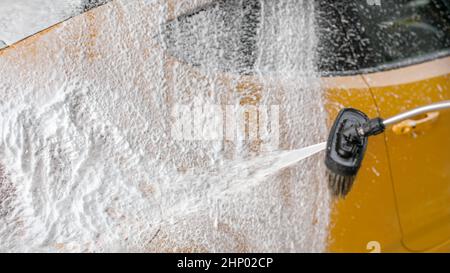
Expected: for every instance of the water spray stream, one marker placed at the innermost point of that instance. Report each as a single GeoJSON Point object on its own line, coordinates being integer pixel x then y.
{"type": "Point", "coordinates": [86, 123]}
{"type": "Point", "coordinates": [233, 178]}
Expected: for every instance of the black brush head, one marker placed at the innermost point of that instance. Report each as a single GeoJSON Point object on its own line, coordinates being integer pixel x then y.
{"type": "Point", "coordinates": [345, 150]}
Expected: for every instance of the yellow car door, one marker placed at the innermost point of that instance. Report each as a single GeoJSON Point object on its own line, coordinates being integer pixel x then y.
{"type": "Point", "coordinates": [366, 220]}
{"type": "Point", "coordinates": [368, 214]}
{"type": "Point", "coordinates": [401, 49]}
{"type": "Point", "coordinates": [419, 148]}
{"type": "Point", "coordinates": [401, 198]}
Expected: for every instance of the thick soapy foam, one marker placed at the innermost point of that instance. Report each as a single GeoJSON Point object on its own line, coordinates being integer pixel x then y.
{"type": "Point", "coordinates": [87, 157]}
{"type": "Point", "coordinates": [22, 18]}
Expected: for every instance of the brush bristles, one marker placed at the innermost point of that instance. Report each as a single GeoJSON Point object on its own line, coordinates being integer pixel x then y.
{"type": "Point", "coordinates": [340, 185]}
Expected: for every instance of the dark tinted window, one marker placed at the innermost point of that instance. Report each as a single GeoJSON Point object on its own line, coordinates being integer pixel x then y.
{"type": "Point", "coordinates": [220, 35]}
{"type": "Point", "coordinates": [90, 4]}
{"type": "Point", "coordinates": [356, 35]}
{"type": "Point", "coordinates": [276, 37]}
{"type": "Point", "coordinates": [244, 36]}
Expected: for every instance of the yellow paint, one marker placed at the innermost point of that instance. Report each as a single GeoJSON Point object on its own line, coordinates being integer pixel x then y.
{"type": "Point", "coordinates": [368, 214]}
{"type": "Point", "coordinates": [401, 198]}
{"type": "Point", "coordinates": [410, 125]}
{"type": "Point", "coordinates": [29, 42]}
{"type": "Point", "coordinates": [420, 162]}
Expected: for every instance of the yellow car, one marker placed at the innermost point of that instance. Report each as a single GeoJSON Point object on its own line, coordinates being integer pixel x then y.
{"type": "Point", "coordinates": [401, 197]}
{"type": "Point", "coordinates": [381, 57]}
{"type": "Point", "coordinates": [385, 59]}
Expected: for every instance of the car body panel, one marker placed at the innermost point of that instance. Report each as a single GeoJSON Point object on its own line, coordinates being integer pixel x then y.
{"type": "Point", "coordinates": [368, 214]}
{"type": "Point", "coordinates": [378, 208]}
{"type": "Point", "coordinates": [420, 160]}
{"type": "Point", "coordinates": [261, 220]}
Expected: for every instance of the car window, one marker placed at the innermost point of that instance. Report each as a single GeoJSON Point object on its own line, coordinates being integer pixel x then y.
{"type": "Point", "coordinates": [246, 37]}
{"type": "Point", "coordinates": [259, 36]}
{"type": "Point", "coordinates": [362, 35]}
{"type": "Point", "coordinates": [221, 35]}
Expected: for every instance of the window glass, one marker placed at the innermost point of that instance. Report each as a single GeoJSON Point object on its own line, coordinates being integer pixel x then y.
{"type": "Point", "coordinates": [221, 35]}
{"type": "Point", "coordinates": [366, 34]}
{"type": "Point", "coordinates": [247, 37]}
{"type": "Point", "coordinates": [266, 36]}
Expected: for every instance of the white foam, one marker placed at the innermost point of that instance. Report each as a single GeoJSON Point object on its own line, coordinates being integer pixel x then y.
{"type": "Point", "coordinates": [85, 141]}
{"type": "Point", "coordinates": [22, 18]}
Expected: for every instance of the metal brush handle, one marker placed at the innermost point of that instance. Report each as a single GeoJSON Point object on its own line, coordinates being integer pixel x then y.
{"type": "Point", "coordinates": [417, 111]}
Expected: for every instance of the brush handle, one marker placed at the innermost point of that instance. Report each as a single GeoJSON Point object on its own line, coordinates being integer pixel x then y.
{"type": "Point", "coordinates": [417, 111]}
{"type": "Point", "coordinates": [372, 127]}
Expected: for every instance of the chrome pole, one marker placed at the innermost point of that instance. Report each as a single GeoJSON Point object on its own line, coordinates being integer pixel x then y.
{"type": "Point", "coordinates": [417, 111]}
